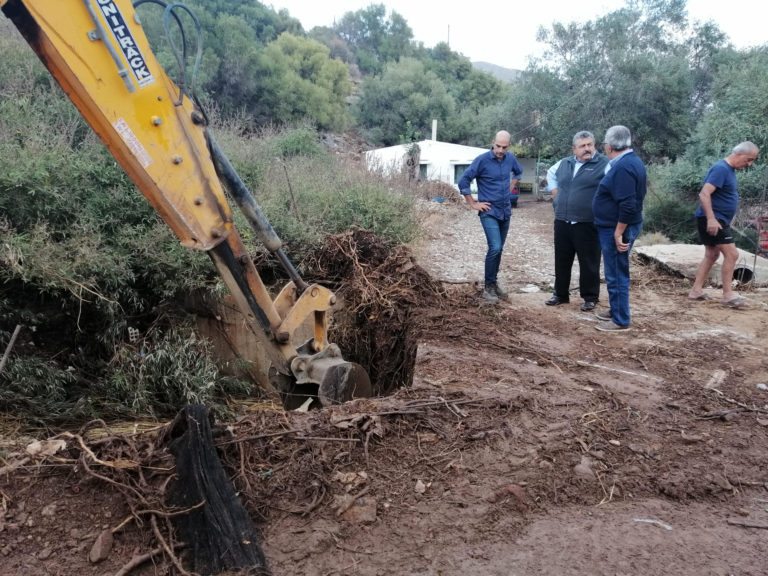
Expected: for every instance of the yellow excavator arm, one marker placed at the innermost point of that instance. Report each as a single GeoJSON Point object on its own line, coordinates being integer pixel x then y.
{"type": "Point", "coordinates": [98, 52]}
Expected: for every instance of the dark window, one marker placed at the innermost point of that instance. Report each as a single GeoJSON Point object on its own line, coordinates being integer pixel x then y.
{"type": "Point", "coordinates": [458, 170]}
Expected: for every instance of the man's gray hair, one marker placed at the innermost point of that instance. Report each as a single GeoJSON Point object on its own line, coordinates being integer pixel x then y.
{"type": "Point", "coordinates": [618, 137]}
{"type": "Point", "coordinates": [582, 135]}
{"type": "Point", "coordinates": [745, 148]}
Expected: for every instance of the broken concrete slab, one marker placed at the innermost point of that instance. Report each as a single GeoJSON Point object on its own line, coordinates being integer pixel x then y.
{"type": "Point", "coordinates": [684, 259]}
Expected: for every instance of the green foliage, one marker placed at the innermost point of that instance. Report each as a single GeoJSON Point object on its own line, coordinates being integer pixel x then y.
{"type": "Point", "coordinates": [666, 213]}
{"type": "Point", "coordinates": [307, 196]}
{"type": "Point", "coordinates": [681, 178]}
{"type": "Point", "coordinates": [298, 142]}
{"type": "Point", "coordinates": [375, 39]}
{"type": "Point", "coordinates": [43, 392]}
{"type": "Point", "coordinates": [640, 66]}
{"type": "Point", "coordinates": [257, 61]}
{"type": "Point", "coordinates": [165, 372]}
{"type": "Point", "coordinates": [420, 96]}
{"type": "Point", "coordinates": [298, 81]}
{"type": "Point", "coordinates": [738, 109]}
{"type": "Point", "coordinates": [266, 24]}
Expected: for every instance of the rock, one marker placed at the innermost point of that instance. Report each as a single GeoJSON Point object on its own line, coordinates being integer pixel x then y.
{"type": "Point", "coordinates": [44, 554]}
{"type": "Point", "coordinates": [101, 547]}
{"type": "Point", "coordinates": [363, 511]}
{"type": "Point", "coordinates": [584, 469]}
{"type": "Point", "coordinates": [49, 510]}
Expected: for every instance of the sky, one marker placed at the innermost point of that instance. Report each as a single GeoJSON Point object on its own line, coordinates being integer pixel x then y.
{"type": "Point", "coordinates": [504, 33]}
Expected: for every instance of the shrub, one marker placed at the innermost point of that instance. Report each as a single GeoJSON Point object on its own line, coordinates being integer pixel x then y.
{"type": "Point", "coordinates": [163, 372]}
{"type": "Point", "coordinates": [307, 197]}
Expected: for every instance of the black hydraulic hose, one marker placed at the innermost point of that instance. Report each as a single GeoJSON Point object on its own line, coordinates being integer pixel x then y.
{"type": "Point", "coordinates": [169, 11]}
{"type": "Point", "coordinates": [224, 253]}
{"type": "Point", "coordinates": [252, 211]}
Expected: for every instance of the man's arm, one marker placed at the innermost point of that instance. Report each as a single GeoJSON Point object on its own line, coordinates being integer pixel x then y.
{"type": "Point", "coordinates": [475, 205]}
{"type": "Point", "coordinates": [517, 173]}
{"type": "Point", "coordinates": [623, 192]}
{"type": "Point", "coordinates": [464, 187]}
{"type": "Point", "coordinates": [552, 178]}
{"type": "Point", "coordinates": [705, 197]}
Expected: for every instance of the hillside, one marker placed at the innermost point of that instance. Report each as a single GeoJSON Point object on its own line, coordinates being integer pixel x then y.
{"type": "Point", "coordinates": [498, 72]}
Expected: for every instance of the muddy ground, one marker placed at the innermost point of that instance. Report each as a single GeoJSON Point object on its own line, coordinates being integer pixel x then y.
{"type": "Point", "coordinates": [528, 444]}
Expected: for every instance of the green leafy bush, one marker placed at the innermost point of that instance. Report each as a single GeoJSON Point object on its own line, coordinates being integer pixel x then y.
{"type": "Point", "coordinates": [165, 372]}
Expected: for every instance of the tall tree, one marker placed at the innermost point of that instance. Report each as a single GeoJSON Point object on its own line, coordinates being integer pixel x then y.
{"type": "Point", "coordinates": [375, 39]}
{"type": "Point", "coordinates": [738, 109]}
{"type": "Point", "coordinates": [631, 66]}
{"type": "Point", "coordinates": [298, 80]}
{"type": "Point", "coordinates": [402, 101]}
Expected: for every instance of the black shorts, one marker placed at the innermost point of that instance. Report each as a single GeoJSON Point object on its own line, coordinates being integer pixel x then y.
{"type": "Point", "coordinates": [723, 236]}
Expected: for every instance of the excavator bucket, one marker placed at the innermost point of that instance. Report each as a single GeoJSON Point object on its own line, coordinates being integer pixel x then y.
{"type": "Point", "coordinates": [98, 52]}
{"type": "Point", "coordinates": [335, 379]}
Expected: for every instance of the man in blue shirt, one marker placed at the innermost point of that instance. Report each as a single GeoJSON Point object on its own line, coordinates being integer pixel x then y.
{"type": "Point", "coordinates": [719, 198]}
{"type": "Point", "coordinates": [618, 211]}
{"type": "Point", "coordinates": [496, 172]}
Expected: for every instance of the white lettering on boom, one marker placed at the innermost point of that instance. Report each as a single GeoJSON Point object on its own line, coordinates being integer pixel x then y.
{"type": "Point", "coordinates": [122, 35]}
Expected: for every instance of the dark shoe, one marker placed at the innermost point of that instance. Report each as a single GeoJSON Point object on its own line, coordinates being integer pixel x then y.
{"type": "Point", "coordinates": [489, 295]}
{"type": "Point", "coordinates": [737, 303]}
{"type": "Point", "coordinates": [556, 301]}
{"type": "Point", "coordinates": [499, 291]}
{"type": "Point", "coordinates": [604, 316]}
{"type": "Point", "coordinates": [588, 306]}
{"type": "Point", "coordinates": [609, 326]}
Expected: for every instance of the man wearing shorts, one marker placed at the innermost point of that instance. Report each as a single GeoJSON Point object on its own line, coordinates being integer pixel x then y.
{"type": "Point", "coordinates": [719, 198]}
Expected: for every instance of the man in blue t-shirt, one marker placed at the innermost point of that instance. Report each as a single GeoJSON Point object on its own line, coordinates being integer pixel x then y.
{"type": "Point", "coordinates": [496, 173]}
{"type": "Point", "coordinates": [719, 201]}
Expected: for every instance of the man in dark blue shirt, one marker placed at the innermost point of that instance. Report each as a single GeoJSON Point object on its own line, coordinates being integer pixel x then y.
{"type": "Point", "coordinates": [618, 211]}
{"type": "Point", "coordinates": [719, 201]}
{"type": "Point", "coordinates": [496, 173]}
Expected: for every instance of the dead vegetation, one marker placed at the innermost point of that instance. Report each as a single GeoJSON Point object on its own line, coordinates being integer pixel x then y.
{"type": "Point", "coordinates": [384, 293]}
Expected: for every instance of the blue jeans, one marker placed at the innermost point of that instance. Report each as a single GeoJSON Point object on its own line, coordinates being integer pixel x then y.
{"type": "Point", "coordinates": [496, 234]}
{"type": "Point", "coordinates": [616, 269]}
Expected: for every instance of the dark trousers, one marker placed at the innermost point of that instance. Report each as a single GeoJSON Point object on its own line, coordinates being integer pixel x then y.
{"type": "Point", "coordinates": [580, 240]}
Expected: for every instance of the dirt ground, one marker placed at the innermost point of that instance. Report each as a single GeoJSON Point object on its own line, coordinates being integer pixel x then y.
{"type": "Point", "coordinates": [528, 444]}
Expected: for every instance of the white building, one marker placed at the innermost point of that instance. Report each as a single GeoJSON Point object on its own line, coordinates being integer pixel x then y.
{"type": "Point", "coordinates": [439, 161]}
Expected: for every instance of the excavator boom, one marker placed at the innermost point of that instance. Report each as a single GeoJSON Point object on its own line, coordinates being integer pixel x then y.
{"type": "Point", "coordinates": [99, 54]}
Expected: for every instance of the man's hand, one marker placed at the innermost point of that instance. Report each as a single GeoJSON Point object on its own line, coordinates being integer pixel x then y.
{"type": "Point", "coordinates": [620, 237]}
{"type": "Point", "coordinates": [713, 226]}
{"type": "Point", "coordinates": [621, 246]}
{"type": "Point", "coordinates": [475, 205]}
